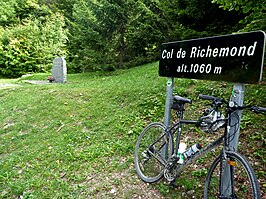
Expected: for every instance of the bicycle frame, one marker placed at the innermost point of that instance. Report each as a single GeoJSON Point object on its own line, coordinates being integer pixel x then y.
{"type": "Point", "coordinates": [177, 127]}
{"type": "Point", "coordinates": [201, 153]}
{"type": "Point", "coordinates": [198, 155]}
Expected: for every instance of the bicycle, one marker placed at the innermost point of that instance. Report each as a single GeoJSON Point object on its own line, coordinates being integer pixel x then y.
{"type": "Point", "coordinates": [156, 156]}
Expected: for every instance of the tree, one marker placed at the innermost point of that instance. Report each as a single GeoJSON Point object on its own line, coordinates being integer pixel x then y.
{"type": "Point", "coordinates": [30, 38]}
{"type": "Point", "coordinates": [7, 11]}
{"type": "Point", "coordinates": [147, 30]}
{"type": "Point", "coordinates": [99, 32]}
{"type": "Point", "coordinates": [198, 18]}
{"type": "Point", "coordinates": [255, 11]}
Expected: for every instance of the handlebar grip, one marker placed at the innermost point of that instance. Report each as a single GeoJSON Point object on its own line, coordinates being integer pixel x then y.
{"type": "Point", "coordinates": [206, 97]}
{"type": "Point", "coordinates": [257, 109]}
{"type": "Point", "coordinates": [262, 109]}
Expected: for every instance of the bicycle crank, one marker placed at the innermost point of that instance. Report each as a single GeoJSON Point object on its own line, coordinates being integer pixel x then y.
{"type": "Point", "coordinates": [170, 173]}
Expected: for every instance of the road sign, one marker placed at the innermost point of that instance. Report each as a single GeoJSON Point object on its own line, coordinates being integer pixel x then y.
{"type": "Point", "coordinates": [235, 58]}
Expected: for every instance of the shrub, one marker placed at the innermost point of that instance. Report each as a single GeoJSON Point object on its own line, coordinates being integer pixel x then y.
{"type": "Point", "coordinates": [31, 45]}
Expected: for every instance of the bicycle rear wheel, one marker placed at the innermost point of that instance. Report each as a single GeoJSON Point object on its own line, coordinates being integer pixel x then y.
{"type": "Point", "coordinates": [243, 182]}
{"type": "Point", "coordinates": [153, 148]}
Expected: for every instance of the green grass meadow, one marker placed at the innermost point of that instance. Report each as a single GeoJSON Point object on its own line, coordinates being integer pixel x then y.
{"type": "Point", "coordinates": [76, 140]}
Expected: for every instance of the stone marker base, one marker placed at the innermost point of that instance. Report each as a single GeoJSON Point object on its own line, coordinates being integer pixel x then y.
{"type": "Point", "coordinates": [38, 82]}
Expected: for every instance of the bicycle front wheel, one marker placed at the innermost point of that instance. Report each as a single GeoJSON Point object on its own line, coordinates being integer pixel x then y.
{"type": "Point", "coordinates": [241, 184]}
{"type": "Point", "coordinates": [153, 148]}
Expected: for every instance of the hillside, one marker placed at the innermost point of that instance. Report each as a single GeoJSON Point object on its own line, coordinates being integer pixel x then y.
{"type": "Point", "coordinates": [76, 140]}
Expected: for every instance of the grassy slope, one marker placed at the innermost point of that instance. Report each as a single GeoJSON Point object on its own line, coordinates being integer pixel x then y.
{"type": "Point", "coordinates": [58, 140]}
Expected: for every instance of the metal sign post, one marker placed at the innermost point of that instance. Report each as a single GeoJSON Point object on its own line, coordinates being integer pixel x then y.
{"type": "Point", "coordinates": [238, 98]}
{"type": "Point", "coordinates": [233, 135]}
{"type": "Point", "coordinates": [167, 110]}
{"type": "Point", "coordinates": [168, 101]}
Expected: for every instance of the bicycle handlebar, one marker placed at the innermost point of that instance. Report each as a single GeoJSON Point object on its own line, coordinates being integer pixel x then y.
{"type": "Point", "coordinates": [258, 109]}
{"type": "Point", "coordinates": [218, 102]}
{"type": "Point", "coordinates": [206, 97]}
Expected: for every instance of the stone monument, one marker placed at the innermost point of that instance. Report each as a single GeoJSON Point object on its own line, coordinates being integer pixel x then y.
{"type": "Point", "coordinates": [59, 70]}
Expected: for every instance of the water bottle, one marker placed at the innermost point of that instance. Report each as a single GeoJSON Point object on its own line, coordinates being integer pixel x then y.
{"type": "Point", "coordinates": [192, 150]}
{"type": "Point", "coordinates": [181, 150]}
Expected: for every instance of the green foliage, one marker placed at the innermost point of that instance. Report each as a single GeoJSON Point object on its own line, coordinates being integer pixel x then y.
{"type": "Point", "coordinates": [15, 11]}
{"type": "Point", "coordinates": [114, 34]}
{"type": "Point", "coordinates": [7, 10]}
{"type": "Point", "coordinates": [89, 49]}
{"type": "Point", "coordinates": [196, 18]}
{"type": "Point", "coordinates": [31, 46]}
{"type": "Point", "coordinates": [200, 172]}
{"type": "Point", "coordinates": [31, 43]}
{"type": "Point", "coordinates": [255, 11]}
{"type": "Point", "coordinates": [146, 32]}
{"type": "Point", "coordinates": [106, 35]}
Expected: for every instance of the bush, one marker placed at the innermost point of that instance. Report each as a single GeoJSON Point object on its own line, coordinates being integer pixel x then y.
{"type": "Point", "coordinates": [32, 45]}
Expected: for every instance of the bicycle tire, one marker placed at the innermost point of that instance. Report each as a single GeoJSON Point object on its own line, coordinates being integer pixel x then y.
{"type": "Point", "coordinates": [245, 183]}
{"type": "Point", "coordinates": [155, 138]}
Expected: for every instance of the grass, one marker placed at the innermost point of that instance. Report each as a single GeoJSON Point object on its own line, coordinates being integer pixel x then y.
{"type": "Point", "coordinates": [76, 140]}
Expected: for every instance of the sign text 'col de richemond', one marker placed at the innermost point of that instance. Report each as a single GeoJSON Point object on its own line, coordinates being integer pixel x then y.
{"type": "Point", "coordinates": [234, 58]}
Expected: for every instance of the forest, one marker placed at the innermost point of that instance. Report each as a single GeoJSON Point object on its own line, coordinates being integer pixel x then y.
{"type": "Point", "coordinates": [105, 35]}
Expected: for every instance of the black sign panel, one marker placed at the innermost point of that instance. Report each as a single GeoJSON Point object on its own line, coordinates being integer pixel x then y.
{"type": "Point", "coordinates": [234, 58]}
